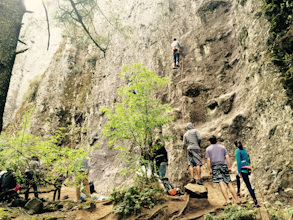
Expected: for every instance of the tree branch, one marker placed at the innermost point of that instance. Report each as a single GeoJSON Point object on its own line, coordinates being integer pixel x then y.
{"type": "Point", "coordinates": [29, 12]}
{"type": "Point", "coordinates": [48, 25]}
{"type": "Point", "coordinates": [21, 51]}
{"type": "Point", "coordinates": [84, 27]}
{"type": "Point", "coordinates": [21, 42]}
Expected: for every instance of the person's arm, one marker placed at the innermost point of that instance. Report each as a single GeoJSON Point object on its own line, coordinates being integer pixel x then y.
{"type": "Point", "coordinates": [198, 138]}
{"type": "Point", "coordinates": [229, 163]}
{"type": "Point", "coordinates": [184, 142]}
{"type": "Point", "coordinates": [209, 166]}
{"type": "Point", "coordinates": [238, 160]}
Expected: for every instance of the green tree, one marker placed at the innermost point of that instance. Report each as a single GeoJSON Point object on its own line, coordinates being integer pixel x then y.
{"type": "Point", "coordinates": [136, 119]}
{"type": "Point", "coordinates": [16, 151]}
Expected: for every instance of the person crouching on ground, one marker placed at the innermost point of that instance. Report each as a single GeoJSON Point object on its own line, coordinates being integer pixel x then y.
{"type": "Point", "coordinates": [244, 169]}
{"type": "Point", "coordinates": [217, 159]}
{"type": "Point", "coordinates": [192, 140]}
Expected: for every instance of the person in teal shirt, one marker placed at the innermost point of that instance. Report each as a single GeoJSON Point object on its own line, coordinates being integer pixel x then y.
{"type": "Point", "coordinates": [243, 168]}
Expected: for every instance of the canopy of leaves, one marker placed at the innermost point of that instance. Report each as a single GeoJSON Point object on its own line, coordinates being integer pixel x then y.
{"type": "Point", "coordinates": [140, 114]}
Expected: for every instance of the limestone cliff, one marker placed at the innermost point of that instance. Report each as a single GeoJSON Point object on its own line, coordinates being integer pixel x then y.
{"type": "Point", "coordinates": [231, 88]}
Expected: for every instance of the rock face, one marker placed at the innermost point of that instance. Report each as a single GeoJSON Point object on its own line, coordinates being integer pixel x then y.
{"type": "Point", "coordinates": [231, 88]}
{"type": "Point", "coordinates": [196, 191]}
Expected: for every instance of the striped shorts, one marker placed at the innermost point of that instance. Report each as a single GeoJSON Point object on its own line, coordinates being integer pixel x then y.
{"type": "Point", "coordinates": [194, 157]}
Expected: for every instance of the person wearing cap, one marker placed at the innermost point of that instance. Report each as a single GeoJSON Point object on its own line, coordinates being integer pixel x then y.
{"type": "Point", "coordinates": [192, 140]}
{"type": "Point", "coordinates": [219, 167]}
{"type": "Point", "coordinates": [31, 173]}
{"type": "Point", "coordinates": [176, 52]}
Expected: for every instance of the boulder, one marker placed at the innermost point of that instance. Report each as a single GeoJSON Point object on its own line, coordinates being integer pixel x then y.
{"type": "Point", "coordinates": [196, 191]}
{"type": "Point", "coordinates": [34, 206]}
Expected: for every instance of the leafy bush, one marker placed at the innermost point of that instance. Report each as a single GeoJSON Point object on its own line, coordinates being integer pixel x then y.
{"type": "Point", "coordinates": [279, 14]}
{"type": "Point", "coordinates": [144, 193]}
{"type": "Point", "coordinates": [234, 213]}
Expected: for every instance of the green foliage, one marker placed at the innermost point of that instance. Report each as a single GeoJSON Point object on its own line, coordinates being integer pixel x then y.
{"type": "Point", "coordinates": [276, 214]}
{"type": "Point", "coordinates": [138, 117]}
{"type": "Point", "coordinates": [31, 93]}
{"type": "Point", "coordinates": [17, 150]}
{"type": "Point", "coordinates": [279, 13]}
{"type": "Point", "coordinates": [144, 193]}
{"type": "Point", "coordinates": [234, 213]}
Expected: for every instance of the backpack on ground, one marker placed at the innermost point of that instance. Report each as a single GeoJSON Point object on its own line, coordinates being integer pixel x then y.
{"type": "Point", "coordinates": [169, 188]}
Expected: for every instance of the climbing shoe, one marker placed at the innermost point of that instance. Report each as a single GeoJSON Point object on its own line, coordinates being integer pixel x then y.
{"type": "Point", "coordinates": [238, 194]}
{"type": "Point", "coordinates": [199, 182]}
{"type": "Point", "coordinates": [192, 180]}
{"type": "Point", "coordinates": [256, 206]}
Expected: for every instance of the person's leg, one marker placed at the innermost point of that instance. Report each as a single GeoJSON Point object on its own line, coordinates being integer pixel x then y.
{"type": "Point", "coordinates": [35, 187]}
{"type": "Point", "coordinates": [59, 193]}
{"type": "Point", "coordinates": [224, 191]}
{"type": "Point", "coordinates": [86, 185]}
{"type": "Point", "coordinates": [174, 57]}
{"type": "Point", "coordinates": [54, 195]}
{"type": "Point", "coordinates": [233, 191]}
{"type": "Point", "coordinates": [28, 179]}
{"type": "Point", "coordinates": [177, 58]}
{"type": "Point", "coordinates": [238, 183]}
{"type": "Point", "coordinates": [163, 168]}
{"type": "Point", "coordinates": [248, 185]}
{"type": "Point", "coordinates": [198, 172]}
{"type": "Point", "coordinates": [78, 183]}
{"type": "Point", "coordinates": [191, 171]}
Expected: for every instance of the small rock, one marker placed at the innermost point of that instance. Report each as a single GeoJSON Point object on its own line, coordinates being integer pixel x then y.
{"type": "Point", "coordinates": [64, 197]}
{"type": "Point", "coordinates": [196, 191]}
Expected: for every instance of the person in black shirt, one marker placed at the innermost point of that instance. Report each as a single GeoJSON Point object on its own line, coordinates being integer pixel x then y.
{"type": "Point", "coordinates": [161, 158]}
{"type": "Point", "coordinates": [8, 180]}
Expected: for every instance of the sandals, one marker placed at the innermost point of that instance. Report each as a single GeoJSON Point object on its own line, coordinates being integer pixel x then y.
{"type": "Point", "coordinates": [227, 203]}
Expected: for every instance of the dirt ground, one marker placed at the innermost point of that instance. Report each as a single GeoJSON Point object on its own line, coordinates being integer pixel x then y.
{"type": "Point", "coordinates": [175, 207]}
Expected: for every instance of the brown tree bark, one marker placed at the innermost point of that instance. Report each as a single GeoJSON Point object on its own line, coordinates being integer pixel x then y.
{"type": "Point", "coordinates": [11, 13]}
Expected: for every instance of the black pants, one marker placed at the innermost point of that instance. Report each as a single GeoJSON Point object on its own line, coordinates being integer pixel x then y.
{"type": "Point", "coordinates": [29, 178]}
{"type": "Point", "coordinates": [248, 185]}
{"type": "Point", "coordinates": [176, 57]}
{"type": "Point", "coordinates": [58, 190]}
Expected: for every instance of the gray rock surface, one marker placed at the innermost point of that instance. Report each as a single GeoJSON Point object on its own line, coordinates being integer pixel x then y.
{"type": "Point", "coordinates": [218, 39]}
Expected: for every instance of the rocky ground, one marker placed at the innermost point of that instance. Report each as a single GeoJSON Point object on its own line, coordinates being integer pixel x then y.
{"type": "Point", "coordinates": [197, 201]}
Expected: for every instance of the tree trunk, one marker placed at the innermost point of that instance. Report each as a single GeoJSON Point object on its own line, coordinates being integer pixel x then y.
{"type": "Point", "coordinates": [11, 13]}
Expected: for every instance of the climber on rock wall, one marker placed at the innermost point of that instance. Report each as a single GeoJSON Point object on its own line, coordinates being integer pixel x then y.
{"type": "Point", "coordinates": [244, 170]}
{"type": "Point", "coordinates": [192, 140]}
{"type": "Point", "coordinates": [217, 160]}
{"type": "Point", "coordinates": [176, 52]}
